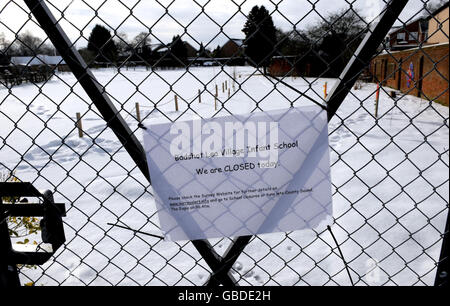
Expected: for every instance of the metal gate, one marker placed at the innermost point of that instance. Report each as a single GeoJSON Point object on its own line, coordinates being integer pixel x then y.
{"type": "Point", "coordinates": [389, 167]}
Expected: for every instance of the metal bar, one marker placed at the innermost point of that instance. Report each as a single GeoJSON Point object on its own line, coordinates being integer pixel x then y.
{"type": "Point", "coordinates": [25, 210]}
{"type": "Point", "coordinates": [363, 55]}
{"type": "Point", "coordinates": [443, 268]}
{"type": "Point", "coordinates": [93, 88]}
{"type": "Point", "coordinates": [114, 120]}
{"type": "Point", "coordinates": [366, 50]}
{"type": "Point", "coordinates": [16, 189]}
{"type": "Point", "coordinates": [9, 276]}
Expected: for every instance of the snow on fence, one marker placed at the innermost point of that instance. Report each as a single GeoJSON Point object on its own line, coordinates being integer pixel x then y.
{"type": "Point", "coordinates": [390, 161]}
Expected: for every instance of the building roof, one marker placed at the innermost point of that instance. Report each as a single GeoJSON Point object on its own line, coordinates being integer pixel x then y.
{"type": "Point", "coordinates": [238, 41]}
{"type": "Point", "coordinates": [440, 9]}
{"type": "Point", "coordinates": [37, 60]}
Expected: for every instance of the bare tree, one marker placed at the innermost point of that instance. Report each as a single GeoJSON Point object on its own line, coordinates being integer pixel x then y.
{"type": "Point", "coordinates": [27, 44]}
{"type": "Point", "coordinates": [141, 40]}
{"type": "Point", "coordinates": [122, 42]}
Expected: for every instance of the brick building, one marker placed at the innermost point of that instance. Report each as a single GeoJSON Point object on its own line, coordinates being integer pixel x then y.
{"type": "Point", "coordinates": [424, 67]}
{"type": "Point", "coordinates": [428, 77]}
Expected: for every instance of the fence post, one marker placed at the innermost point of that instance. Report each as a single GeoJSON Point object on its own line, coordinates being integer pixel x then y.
{"type": "Point", "coordinates": [215, 102]}
{"type": "Point", "coordinates": [138, 113]}
{"type": "Point", "coordinates": [9, 276]}
{"type": "Point", "coordinates": [199, 96]}
{"type": "Point", "coordinates": [325, 90]}
{"type": "Point", "coordinates": [176, 103]}
{"type": "Point", "coordinates": [377, 100]}
{"type": "Point", "coordinates": [217, 90]}
{"type": "Point", "coordinates": [443, 268]}
{"type": "Point", "coordinates": [79, 125]}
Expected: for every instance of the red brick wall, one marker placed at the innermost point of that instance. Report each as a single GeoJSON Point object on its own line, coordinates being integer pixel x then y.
{"type": "Point", "coordinates": [432, 80]}
{"type": "Point", "coordinates": [281, 67]}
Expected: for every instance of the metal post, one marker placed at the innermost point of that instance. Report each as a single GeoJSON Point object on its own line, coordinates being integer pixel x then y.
{"type": "Point", "coordinates": [364, 54]}
{"type": "Point", "coordinates": [9, 276]}
{"type": "Point", "coordinates": [443, 268]}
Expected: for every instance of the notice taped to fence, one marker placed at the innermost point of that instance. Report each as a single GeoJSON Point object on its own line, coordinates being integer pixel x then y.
{"type": "Point", "coordinates": [241, 175]}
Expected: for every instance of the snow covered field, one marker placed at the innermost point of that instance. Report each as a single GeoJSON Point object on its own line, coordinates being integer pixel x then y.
{"type": "Point", "coordinates": [393, 164]}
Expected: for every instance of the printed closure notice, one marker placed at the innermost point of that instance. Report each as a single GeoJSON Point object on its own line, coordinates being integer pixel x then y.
{"type": "Point", "coordinates": [241, 175]}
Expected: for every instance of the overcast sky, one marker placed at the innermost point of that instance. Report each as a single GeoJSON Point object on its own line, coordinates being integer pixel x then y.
{"type": "Point", "coordinates": [80, 16]}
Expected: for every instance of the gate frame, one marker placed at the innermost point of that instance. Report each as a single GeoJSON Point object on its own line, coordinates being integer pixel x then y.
{"type": "Point", "coordinates": [220, 265]}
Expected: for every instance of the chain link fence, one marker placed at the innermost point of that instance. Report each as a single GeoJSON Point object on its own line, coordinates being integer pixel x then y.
{"type": "Point", "coordinates": [389, 145]}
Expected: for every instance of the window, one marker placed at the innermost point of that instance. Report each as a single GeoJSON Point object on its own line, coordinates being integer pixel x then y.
{"type": "Point", "coordinates": [401, 36]}
{"type": "Point", "coordinates": [414, 36]}
{"type": "Point", "coordinates": [391, 71]}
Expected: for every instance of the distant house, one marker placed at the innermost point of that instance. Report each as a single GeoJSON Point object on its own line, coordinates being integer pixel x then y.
{"type": "Point", "coordinates": [432, 29]}
{"type": "Point", "coordinates": [232, 48]}
{"type": "Point", "coordinates": [40, 60]}
{"type": "Point", "coordinates": [438, 26]}
{"type": "Point", "coordinates": [409, 36]}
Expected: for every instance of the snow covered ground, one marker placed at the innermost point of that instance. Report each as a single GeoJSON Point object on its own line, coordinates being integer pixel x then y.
{"type": "Point", "coordinates": [390, 162]}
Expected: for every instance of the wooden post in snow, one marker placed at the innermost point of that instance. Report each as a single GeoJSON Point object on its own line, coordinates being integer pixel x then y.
{"type": "Point", "coordinates": [138, 113]}
{"type": "Point", "coordinates": [176, 103]}
{"type": "Point", "coordinates": [377, 100]}
{"type": "Point", "coordinates": [215, 103]}
{"type": "Point", "coordinates": [79, 126]}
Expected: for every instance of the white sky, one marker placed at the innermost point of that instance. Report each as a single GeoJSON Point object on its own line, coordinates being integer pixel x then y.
{"type": "Point", "coordinates": [80, 16]}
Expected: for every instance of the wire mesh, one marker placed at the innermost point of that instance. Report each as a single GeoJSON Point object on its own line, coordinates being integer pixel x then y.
{"type": "Point", "coordinates": [390, 171]}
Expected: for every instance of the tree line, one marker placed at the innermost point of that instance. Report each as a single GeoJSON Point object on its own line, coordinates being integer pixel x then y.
{"type": "Point", "coordinates": [26, 44]}
{"type": "Point", "coordinates": [326, 45]}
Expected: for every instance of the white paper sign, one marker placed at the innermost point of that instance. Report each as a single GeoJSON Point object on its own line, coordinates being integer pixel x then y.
{"type": "Point", "coordinates": [241, 175]}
